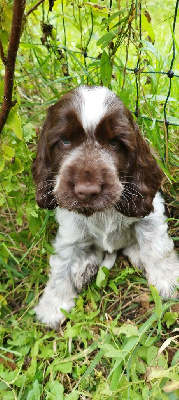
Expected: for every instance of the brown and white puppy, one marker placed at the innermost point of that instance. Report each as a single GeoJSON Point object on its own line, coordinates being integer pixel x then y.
{"type": "Point", "coordinates": [96, 169]}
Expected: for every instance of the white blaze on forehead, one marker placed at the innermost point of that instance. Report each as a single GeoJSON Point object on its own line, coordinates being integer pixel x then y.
{"type": "Point", "coordinates": [94, 103]}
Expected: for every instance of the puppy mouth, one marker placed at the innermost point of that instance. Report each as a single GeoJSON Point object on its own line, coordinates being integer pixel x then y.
{"type": "Point", "coordinates": [89, 203]}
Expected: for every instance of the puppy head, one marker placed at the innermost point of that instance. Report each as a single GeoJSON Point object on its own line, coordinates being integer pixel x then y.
{"type": "Point", "coordinates": [91, 156]}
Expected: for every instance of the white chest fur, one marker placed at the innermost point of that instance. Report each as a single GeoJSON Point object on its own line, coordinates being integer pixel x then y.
{"type": "Point", "coordinates": [107, 230]}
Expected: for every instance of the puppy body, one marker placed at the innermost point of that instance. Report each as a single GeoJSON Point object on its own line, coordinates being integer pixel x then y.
{"type": "Point", "coordinates": [94, 166]}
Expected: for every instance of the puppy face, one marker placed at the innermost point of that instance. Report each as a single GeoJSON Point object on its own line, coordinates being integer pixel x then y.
{"type": "Point", "coordinates": [91, 156]}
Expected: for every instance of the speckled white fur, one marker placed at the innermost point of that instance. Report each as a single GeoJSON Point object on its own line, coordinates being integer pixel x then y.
{"type": "Point", "coordinates": [145, 241]}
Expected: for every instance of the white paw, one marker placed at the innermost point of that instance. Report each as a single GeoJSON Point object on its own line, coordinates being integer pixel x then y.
{"type": "Point", "coordinates": [165, 284]}
{"type": "Point", "coordinates": [164, 275]}
{"type": "Point", "coordinates": [48, 311]}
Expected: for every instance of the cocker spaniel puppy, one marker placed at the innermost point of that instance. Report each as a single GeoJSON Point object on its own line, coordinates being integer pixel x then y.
{"type": "Point", "coordinates": [96, 169]}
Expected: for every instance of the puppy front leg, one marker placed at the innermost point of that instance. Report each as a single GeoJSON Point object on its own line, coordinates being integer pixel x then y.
{"type": "Point", "coordinates": [71, 269]}
{"type": "Point", "coordinates": [157, 250]}
{"type": "Point", "coordinates": [59, 293]}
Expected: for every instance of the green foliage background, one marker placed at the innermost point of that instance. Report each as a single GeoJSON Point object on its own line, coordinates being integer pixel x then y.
{"type": "Point", "coordinates": [105, 351]}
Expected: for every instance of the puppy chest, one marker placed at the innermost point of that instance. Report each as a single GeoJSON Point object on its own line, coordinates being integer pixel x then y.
{"type": "Point", "coordinates": [110, 234]}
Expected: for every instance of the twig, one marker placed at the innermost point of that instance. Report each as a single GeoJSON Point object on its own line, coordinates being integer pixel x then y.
{"type": "Point", "coordinates": [14, 40]}
{"type": "Point", "coordinates": [34, 7]}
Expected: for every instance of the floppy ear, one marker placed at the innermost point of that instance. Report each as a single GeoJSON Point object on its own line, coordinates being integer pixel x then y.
{"type": "Point", "coordinates": [42, 174]}
{"type": "Point", "coordinates": [142, 180]}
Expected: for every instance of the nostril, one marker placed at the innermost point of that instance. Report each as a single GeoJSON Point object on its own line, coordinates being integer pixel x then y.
{"type": "Point", "coordinates": [87, 190]}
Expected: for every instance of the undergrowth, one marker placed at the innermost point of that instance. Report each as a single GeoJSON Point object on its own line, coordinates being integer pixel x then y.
{"type": "Point", "coordinates": [120, 340]}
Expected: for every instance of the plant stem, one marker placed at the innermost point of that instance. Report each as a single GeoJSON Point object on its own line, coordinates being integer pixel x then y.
{"type": "Point", "coordinates": [14, 40]}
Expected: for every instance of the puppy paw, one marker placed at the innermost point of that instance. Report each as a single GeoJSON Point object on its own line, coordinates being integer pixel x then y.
{"type": "Point", "coordinates": [165, 276]}
{"type": "Point", "coordinates": [48, 311]}
{"type": "Point", "coordinates": [166, 287]}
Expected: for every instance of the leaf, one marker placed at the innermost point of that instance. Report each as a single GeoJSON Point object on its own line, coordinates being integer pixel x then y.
{"type": "Point", "coordinates": [54, 391]}
{"type": "Point", "coordinates": [159, 97]}
{"type": "Point", "coordinates": [98, 9]}
{"type": "Point", "coordinates": [17, 167]}
{"type": "Point", "coordinates": [175, 359]}
{"type": "Point", "coordinates": [156, 373]}
{"type": "Point", "coordinates": [72, 331]}
{"type": "Point", "coordinates": [128, 330]}
{"type": "Point", "coordinates": [33, 218]}
{"type": "Point", "coordinates": [170, 318]}
{"type": "Point", "coordinates": [102, 277]}
{"type": "Point", "coordinates": [173, 120]}
{"type": "Point", "coordinates": [171, 386]}
{"type": "Point", "coordinates": [8, 152]}
{"type": "Point", "coordinates": [157, 301]}
{"type": "Point", "coordinates": [113, 286]}
{"type": "Point", "coordinates": [150, 47]}
{"type": "Point", "coordinates": [9, 376]}
{"type": "Point", "coordinates": [35, 393]}
{"type": "Point", "coordinates": [152, 352]}
{"type": "Point", "coordinates": [14, 122]}
{"type": "Point", "coordinates": [2, 164]}
{"type": "Point", "coordinates": [147, 27]}
{"type": "Point", "coordinates": [105, 39]}
{"type": "Point", "coordinates": [60, 366]}
{"type": "Point", "coordinates": [72, 396]}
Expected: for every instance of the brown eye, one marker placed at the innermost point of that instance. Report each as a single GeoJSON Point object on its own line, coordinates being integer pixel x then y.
{"type": "Point", "coordinates": [113, 142]}
{"type": "Point", "coordinates": [66, 141]}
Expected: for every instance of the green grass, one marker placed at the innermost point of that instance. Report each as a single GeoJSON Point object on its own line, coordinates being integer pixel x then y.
{"type": "Point", "coordinates": [120, 340]}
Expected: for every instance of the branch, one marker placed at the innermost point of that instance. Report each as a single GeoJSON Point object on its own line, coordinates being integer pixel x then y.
{"type": "Point", "coordinates": [3, 58]}
{"type": "Point", "coordinates": [34, 7]}
{"type": "Point", "coordinates": [14, 40]}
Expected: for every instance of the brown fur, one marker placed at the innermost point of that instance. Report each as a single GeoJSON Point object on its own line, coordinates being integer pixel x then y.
{"type": "Point", "coordinates": [109, 165]}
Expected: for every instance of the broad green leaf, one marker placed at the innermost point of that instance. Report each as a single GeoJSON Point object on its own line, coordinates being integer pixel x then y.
{"type": "Point", "coordinates": [60, 366]}
{"type": "Point", "coordinates": [17, 166]}
{"type": "Point", "coordinates": [73, 395]}
{"type": "Point", "coordinates": [14, 122]}
{"type": "Point", "coordinates": [34, 224]}
{"type": "Point", "coordinates": [102, 277]}
{"type": "Point", "coordinates": [148, 46]}
{"type": "Point", "coordinates": [54, 390]}
{"type": "Point", "coordinates": [7, 395]}
{"type": "Point", "coordinates": [147, 27]}
{"type": "Point", "coordinates": [8, 152]}
{"type": "Point", "coordinates": [111, 352]}
{"type": "Point", "coordinates": [72, 331]}
{"type": "Point", "coordinates": [6, 17]}
{"type": "Point", "coordinates": [31, 370]}
{"type": "Point", "coordinates": [35, 393]}
{"type": "Point", "coordinates": [173, 120]}
{"type": "Point", "coordinates": [9, 376]}
{"type": "Point", "coordinates": [170, 318]}
{"type": "Point", "coordinates": [127, 329]}
{"type": "Point", "coordinates": [152, 352]}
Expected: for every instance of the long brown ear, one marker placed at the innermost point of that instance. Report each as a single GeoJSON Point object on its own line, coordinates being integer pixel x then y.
{"type": "Point", "coordinates": [43, 176]}
{"type": "Point", "coordinates": [142, 180]}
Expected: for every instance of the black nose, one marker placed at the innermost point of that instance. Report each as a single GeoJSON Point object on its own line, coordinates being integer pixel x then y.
{"type": "Point", "coordinates": [87, 190]}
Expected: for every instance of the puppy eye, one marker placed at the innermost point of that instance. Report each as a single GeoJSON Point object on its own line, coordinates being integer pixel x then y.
{"type": "Point", "coordinates": [66, 141]}
{"type": "Point", "coordinates": [113, 142]}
